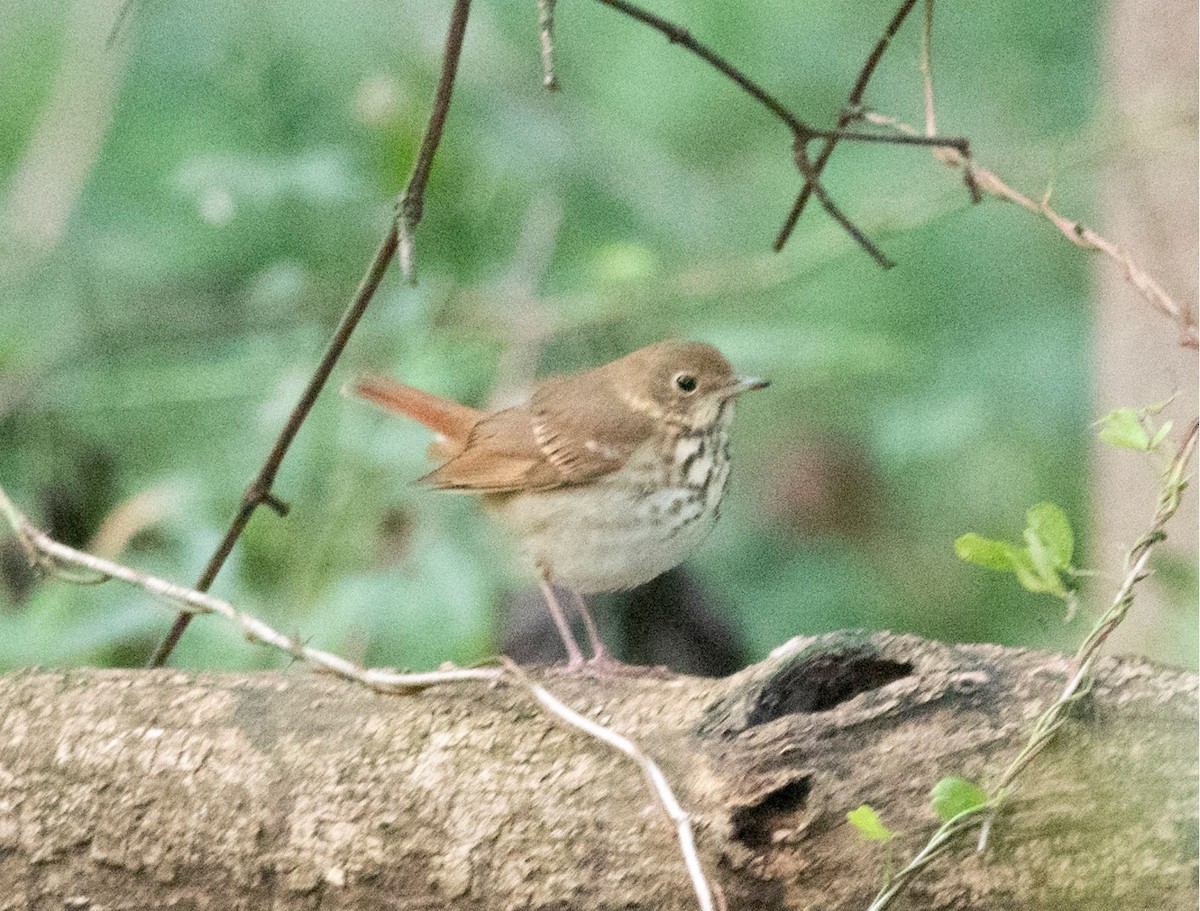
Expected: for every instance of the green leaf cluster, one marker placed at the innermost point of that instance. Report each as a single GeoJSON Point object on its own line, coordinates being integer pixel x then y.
{"type": "Point", "coordinates": [1042, 565]}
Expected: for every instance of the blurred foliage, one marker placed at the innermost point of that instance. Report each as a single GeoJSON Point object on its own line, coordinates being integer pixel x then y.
{"type": "Point", "coordinates": [248, 172]}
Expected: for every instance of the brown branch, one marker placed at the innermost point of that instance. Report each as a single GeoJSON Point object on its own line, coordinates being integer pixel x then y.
{"type": "Point", "coordinates": [1078, 234]}
{"type": "Point", "coordinates": [409, 207]}
{"type": "Point", "coordinates": [849, 114]}
{"type": "Point", "coordinates": [546, 37]}
{"type": "Point", "coordinates": [411, 204]}
{"type": "Point", "coordinates": [802, 133]}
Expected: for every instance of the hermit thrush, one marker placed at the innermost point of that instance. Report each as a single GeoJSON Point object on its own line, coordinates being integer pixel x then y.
{"type": "Point", "coordinates": [607, 478]}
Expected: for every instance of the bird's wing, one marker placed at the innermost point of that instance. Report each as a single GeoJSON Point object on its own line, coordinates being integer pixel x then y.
{"type": "Point", "coordinates": [568, 434]}
{"type": "Point", "coordinates": [583, 426]}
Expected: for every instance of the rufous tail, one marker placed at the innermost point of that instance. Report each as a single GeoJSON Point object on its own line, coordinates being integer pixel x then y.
{"type": "Point", "coordinates": [445, 416]}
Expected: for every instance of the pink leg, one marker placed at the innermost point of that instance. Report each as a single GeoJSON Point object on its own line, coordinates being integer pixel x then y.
{"type": "Point", "coordinates": [574, 655]}
{"type": "Point", "coordinates": [599, 654]}
{"type": "Point", "coordinates": [602, 663]}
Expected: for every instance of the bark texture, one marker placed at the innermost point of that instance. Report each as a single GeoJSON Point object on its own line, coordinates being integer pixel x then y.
{"type": "Point", "coordinates": [136, 789]}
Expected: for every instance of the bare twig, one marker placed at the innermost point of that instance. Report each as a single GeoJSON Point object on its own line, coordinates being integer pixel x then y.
{"type": "Point", "coordinates": [654, 777]}
{"type": "Point", "coordinates": [411, 203]}
{"type": "Point", "coordinates": [399, 236]}
{"type": "Point", "coordinates": [119, 24]}
{"type": "Point", "coordinates": [850, 113]}
{"type": "Point", "coordinates": [802, 133]}
{"type": "Point", "coordinates": [1077, 233]}
{"type": "Point", "coordinates": [927, 69]}
{"type": "Point", "coordinates": [259, 491]}
{"type": "Point", "coordinates": [1047, 726]}
{"type": "Point", "coordinates": [546, 36]}
{"type": "Point", "coordinates": [43, 551]}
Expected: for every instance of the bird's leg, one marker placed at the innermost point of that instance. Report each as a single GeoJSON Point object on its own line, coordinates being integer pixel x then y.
{"type": "Point", "coordinates": [602, 664]}
{"type": "Point", "coordinates": [599, 654]}
{"type": "Point", "coordinates": [574, 655]}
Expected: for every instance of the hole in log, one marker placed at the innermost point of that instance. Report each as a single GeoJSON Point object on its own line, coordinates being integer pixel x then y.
{"type": "Point", "coordinates": [821, 682]}
{"type": "Point", "coordinates": [778, 810]}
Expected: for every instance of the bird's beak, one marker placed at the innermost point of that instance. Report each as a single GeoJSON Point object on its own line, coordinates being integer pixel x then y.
{"type": "Point", "coordinates": [748, 384]}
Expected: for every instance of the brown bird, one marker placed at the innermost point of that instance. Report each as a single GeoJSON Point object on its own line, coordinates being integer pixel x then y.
{"type": "Point", "coordinates": [607, 478]}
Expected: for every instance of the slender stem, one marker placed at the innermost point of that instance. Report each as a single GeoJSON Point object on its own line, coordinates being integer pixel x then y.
{"type": "Point", "coordinates": [411, 204]}
{"type": "Point", "coordinates": [981, 180]}
{"type": "Point", "coordinates": [677, 34]}
{"type": "Point", "coordinates": [43, 551]}
{"type": "Point", "coordinates": [802, 133]}
{"type": "Point", "coordinates": [546, 37]}
{"type": "Point", "coordinates": [118, 24]}
{"type": "Point", "coordinates": [848, 115]}
{"type": "Point", "coordinates": [655, 778]}
{"type": "Point", "coordinates": [399, 237]}
{"type": "Point", "coordinates": [259, 491]}
{"type": "Point", "coordinates": [927, 69]}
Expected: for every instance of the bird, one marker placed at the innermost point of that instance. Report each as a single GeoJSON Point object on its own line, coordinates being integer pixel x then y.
{"type": "Point", "coordinates": [606, 478]}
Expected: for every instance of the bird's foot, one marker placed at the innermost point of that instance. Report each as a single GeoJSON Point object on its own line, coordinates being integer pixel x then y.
{"type": "Point", "coordinates": [605, 665]}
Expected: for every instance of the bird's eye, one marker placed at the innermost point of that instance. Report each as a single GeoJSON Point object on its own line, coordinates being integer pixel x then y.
{"type": "Point", "coordinates": [686, 382]}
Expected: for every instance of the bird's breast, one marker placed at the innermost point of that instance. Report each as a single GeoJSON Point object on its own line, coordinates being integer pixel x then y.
{"type": "Point", "coordinates": [632, 525]}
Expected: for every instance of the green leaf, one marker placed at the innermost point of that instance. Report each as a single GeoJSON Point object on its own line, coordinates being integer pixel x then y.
{"type": "Point", "coordinates": [1050, 526]}
{"type": "Point", "coordinates": [1123, 429]}
{"type": "Point", "coordinates": [1035, 577]}
{"type": "Point", "coordinates": [984, 552]}
{"type": "Point", "coordinates": [954, 795]}
{"type": "Point", "coordinates": [1161, 435]}
{"type": "Point", "coordinates": [869, 825]}
{"type": "Point", "coordinates": [1031, 577]}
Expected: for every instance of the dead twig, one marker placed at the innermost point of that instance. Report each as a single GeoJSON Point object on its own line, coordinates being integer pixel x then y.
{"type": "Point", "coordinates": [1078, 234]}
{"type": "Point", "coordinates": [43, 551]}
{"type": "Point", "coordinates": [850, 113]}
{"type": "Point", "coordinates": [546, 37]}
{"type": "Point", "coordinates": [654, 778]}
{"type": "Point", "coordinates": [802, 133]}
{"type": "Point", "coordinates": [399, 237]}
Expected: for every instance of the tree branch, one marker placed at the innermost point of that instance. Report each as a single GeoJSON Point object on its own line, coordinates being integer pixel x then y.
{"type": "Point", "coordinates": [409, 207]}
{"type": "Point", "coordinates": [166, 789]}
{"type": "Point", "coordinates": [1078, 234]}
{"type": "Point", "coordinates": [849, 114]}
{"type": "Point", "coordinates": [801, 132]}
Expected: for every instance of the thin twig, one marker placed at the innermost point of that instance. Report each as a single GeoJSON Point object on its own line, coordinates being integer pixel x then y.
{"type": "Point", "coordinates": [411, 203]}
{"type": "Point", "coordinates": [45, 552]}
{"type": "Point", "coordinates": [927, 69]}
{"type": "Point", "coordinates": [259, 491]}
{"type": "Point", "coordinates": [654, 777]}
{"type": "Point", "coordinates": [802, 133]}
{"type": "Point", "coordinates": [1048, 724]}
{"type": "Point", "coordinates": [399, 236]}
{"type": "Point", "coordinates": [847, 116]}
{"type": "Point", "coordinates": [1078, 234]}
{"type": "Point", "coordinates": [118, 24]}
{"type": "Point", "coordinates": [546, 37]}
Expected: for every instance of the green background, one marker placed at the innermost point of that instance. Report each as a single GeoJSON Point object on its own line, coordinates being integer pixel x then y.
{"type": "Point", "coordinates": [247, 176]}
